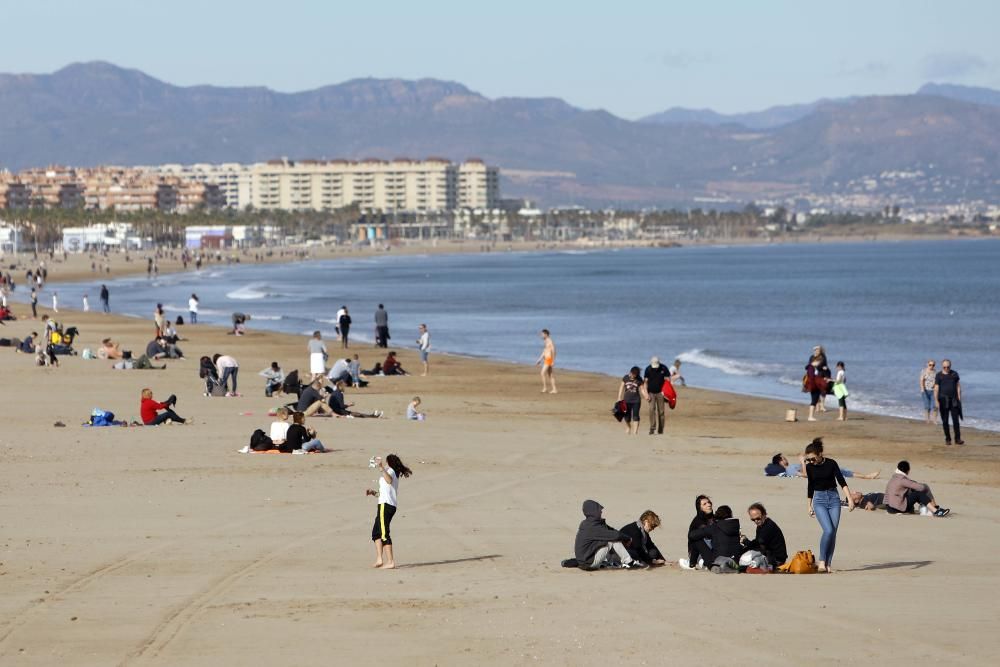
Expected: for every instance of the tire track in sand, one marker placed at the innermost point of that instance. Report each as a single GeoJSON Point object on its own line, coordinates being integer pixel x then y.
{"type": "Point", "coordinates": [181, 617]}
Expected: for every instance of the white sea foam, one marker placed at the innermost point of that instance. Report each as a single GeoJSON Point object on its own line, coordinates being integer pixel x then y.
{"type": "Point", "coordinates": [250, 292]}
{"type": "Point", "coordinates": [708, 359]}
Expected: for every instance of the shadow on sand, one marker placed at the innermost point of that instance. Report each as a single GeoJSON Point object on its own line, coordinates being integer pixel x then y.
{"type": "Point", "coordinates": [471, 559]}
{"type": "Point", "coordinates": [911, 564]}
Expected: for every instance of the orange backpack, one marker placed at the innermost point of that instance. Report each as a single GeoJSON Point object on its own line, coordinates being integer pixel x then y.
{"type": "Point", "coordinates": [803, 562]}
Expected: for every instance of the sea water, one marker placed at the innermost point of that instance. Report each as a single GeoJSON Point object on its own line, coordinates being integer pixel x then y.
{"type": "Point", "coordinates": [742, 319]}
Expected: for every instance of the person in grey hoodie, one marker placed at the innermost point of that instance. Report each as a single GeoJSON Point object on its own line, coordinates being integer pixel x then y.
{"type": "Point", "coordinates": [595, 540]}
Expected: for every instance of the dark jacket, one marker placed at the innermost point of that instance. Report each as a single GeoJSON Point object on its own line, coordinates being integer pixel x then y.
{"type": "Point", "coordinates": [699, 521]}
{"type": "Point", "coordinates": [308, 397]}
{"type": "Point", "coordinates": [336, 402]}
{"type": "Point", "coordinates": [770, 541]}
{"type": "Point", "coordinates": [642, 547]}
{"type": "Point", "coordinates": [725, 536]}
{"type": "Point", "coordinates": [593, 533]}
{"type": "Point", "coordinates": [773, 469]}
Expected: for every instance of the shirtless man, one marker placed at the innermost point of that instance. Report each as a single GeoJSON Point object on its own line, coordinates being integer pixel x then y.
{"type": "Point", "coordinates": [547, 361]}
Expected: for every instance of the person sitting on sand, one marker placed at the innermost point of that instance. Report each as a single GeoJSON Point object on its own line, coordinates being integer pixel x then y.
{"type": "Point", "coordinates": [273, 378]}
{"type": "Point", "coordinates": [640, 545]}
{"type": "Point", "coordinates": [279, 427]}
{"type": "Point", "coordinates": [698, 548]}
{"type": "Point", "coordinates": [159, 348]}
{"type": "Point", "coordinates": [109, 350]}
{"type": "Point", "coordinates": [902, 494]}
{"type": "Point", "coordinates": [413, 412]}
{"type": "Point", "coordinates": [299, 438]}
{"type": "Point", "coordinates": [779, 467]}
{"type": "Point", "coordinates": [869, 501]}
{"type": "Point", "coordinates": [148, 409]}
{"type": "Point", "coordinates": [27, 345]}
{"type": "Point", "coordinates": [311, 400]}
{"type": "Point", "coordinates": [391, 365]}
{"type": "Point", "coordinates": [769, 539]}
{"type": "Point", "coordinates": [724, 535]}
{"type": "Point", "coordinates": [596, 540]}
{"type": "Point", "coordinates": [339, 406]}
{"type": "Point", "coordinates": [341, 370]}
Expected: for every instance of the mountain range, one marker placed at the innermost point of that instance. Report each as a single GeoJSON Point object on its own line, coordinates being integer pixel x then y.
{"type": "Point", "coordinates": [939, 145]}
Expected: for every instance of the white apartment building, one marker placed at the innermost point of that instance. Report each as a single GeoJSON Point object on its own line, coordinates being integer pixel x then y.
{"type": "Point", "coordinates": [433, 184]}
{"type": "Point", "coordinates": [478, 185]}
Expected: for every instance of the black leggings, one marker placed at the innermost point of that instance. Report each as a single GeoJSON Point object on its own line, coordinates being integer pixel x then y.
{"type": "Point", "coordinates": [632, 411]}
{"type": "Point", "coordinates": [950, 409]}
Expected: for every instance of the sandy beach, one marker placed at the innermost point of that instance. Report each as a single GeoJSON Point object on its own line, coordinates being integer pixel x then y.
{"type": "Point", "coordinates": [164, 546]}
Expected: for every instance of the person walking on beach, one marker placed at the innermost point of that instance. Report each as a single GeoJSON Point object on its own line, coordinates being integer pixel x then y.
{"type": "Point", "coordinates": [654, 377]}
{"type": "Point", "coordinates": [390, 470]}
{"type": "Point", "coordinates": [34, 304]}
{"type": "Point", "coordinates": [948, 396]}
{"type": "Point", "coordinates": [815, 382]}
{"type": "Point", "coordinates": [55, 302]}
{"type": "Point", "coordinates": [105, 299]}
{"type": "Point", "coordinates": [840, 391]}
{"type": "Point", "coordinates": [344, 322]}
{"type": "Point", "coordinates": [193, 308]}
{"type": "Point", "coordinates": [823, 476]}
{"type": "Point", "coordinates": [928, 378]}
{"type": "Point", "coordinates": [547, 360]}
{"type": "Point", "coordinates": [159, 319]}
{"type": "Point", "coordinates": [381, 327]}
{"type": "Point", "coordinates": [317, 356]}
{"type": "Point", "coordinates": [424, 345]}
{"type": "Point", "coordinates": [632, 390]}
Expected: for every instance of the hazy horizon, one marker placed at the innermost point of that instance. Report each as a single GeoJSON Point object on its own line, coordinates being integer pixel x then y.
{"type": "Point", "coordinates": [633, 64]}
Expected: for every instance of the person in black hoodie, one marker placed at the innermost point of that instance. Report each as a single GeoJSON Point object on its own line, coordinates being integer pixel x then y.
{"type": "Point", "coordinates": [641, 547]}
{"type": "Point", "coordinates": [769, 540]}
{"type": "Point", "coordinates": [698, 546]}
{"type": "Point", "coordinates": [595, 540]}
{"type": "Point", "coordinates": [724, 533]}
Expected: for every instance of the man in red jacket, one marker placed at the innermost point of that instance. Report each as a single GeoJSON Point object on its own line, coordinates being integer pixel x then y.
{"type": "Point", "coordinates": [148, 409]}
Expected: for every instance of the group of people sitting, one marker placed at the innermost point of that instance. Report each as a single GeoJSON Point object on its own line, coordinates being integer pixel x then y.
{"type": "Point", "coordinates": [714, 541]}
{"type": "Point", "coordinates": [319, 398]}
{"type": "Point", "coordinates": [292, 437]}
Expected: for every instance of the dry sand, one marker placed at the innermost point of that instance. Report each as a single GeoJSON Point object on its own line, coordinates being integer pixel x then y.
{"type": "Point", "coordinates": [163, 546]}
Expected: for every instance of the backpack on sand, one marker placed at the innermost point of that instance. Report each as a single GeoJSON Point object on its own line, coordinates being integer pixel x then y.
{"type": "Point", "coordinates": [803, 562]}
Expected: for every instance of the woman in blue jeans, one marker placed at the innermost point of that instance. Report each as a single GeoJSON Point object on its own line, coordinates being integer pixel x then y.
{"type": "Point", "coordinates": [824, 499]}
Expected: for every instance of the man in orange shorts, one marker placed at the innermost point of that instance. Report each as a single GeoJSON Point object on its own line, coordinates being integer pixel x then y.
{"type": "Point", "coordinates": [547, 360]}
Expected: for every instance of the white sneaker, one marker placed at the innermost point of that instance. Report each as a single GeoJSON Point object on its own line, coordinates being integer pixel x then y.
{"type": "Point", "coordinates": [684, 564]}
{"type": "Point", "coordinates": [245, 450]}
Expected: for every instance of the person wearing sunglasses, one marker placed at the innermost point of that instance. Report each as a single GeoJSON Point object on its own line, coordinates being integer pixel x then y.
{"type": "Point", "coordinates": [927, 380]}
{"type": "Point", "coordinates": [948, 395]}
{"type": "Point", "coordinates": [823, 476]}
{"type": "Point", "coordinates": [769, 539]}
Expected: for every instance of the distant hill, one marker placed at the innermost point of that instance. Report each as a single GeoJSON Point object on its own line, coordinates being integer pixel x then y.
{"type": "Point", "coordinates": [757, 120]}
{"type": "Point", "coordinates": [964, 93]}
{"type": "Point", "coordinates": [911, 149]}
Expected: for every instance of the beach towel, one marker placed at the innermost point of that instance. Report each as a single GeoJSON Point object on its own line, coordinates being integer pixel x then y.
{"type": "Point", "coordinates": [670, 394]}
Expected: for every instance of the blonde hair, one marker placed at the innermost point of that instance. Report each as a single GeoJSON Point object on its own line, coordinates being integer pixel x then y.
{"type": "Point", "coordinates": [282, 413]}
{"type": "Point", "coordinates": [147, 392]}
{"type": "Point", "coordinates": [650, 515]}
{"type": "Point", "coordinates": [416, 399]}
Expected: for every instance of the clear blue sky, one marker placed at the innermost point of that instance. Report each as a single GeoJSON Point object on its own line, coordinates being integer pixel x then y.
{"type": "Point", "coordinates": [631, 58]}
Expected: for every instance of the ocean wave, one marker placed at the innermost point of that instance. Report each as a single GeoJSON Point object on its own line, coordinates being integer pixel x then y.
{"type": "Point", "coordinates": [266, 317]}
{"type": "Point", "coordinates": [251, 292]}
{"type": "Point", "coordinates": [709, 359]}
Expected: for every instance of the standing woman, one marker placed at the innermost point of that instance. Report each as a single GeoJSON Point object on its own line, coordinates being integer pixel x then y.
{"type": "Point", "coordinates": [824, 499]}
{"type": "Point", "coordinates": [227, 367]}
{"type": "Point", "coordinates": [815, 384]}
{"type": "Point", "coordinates": [388, 484]}
{"type": "Point", "coordinates": [927, 380]}
{"type": "Point", "coordinates": [193, 308]}
{"type": "Point", "coordinates": [317, 356]}
{"type": "Point", "coordinates": [633, 391]}
{"type": "Point", "coordinates": [159, 319]}
{"type": "Point", "coordinates": [344, 322]}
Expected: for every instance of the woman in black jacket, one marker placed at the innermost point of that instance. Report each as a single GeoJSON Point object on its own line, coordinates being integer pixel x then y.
{"type": "Point", "coordinates": [697, 545]}
{"type": "Point", "coordinates": [724, 534]}
{"type": "Point", "coordinates": [641, 547]}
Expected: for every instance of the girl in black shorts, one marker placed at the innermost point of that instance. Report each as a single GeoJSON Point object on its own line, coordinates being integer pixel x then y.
{"type": "Point", "coordinates": [632, 391]}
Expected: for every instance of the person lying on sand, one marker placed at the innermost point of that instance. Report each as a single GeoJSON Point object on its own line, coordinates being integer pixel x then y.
{"type": "Point", "coordinates": [778, 467]}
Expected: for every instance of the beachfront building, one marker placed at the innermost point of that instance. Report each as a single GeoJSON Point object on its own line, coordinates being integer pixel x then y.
{"type": "Point", "coordinates": [234, 180]}
{"type": "Point", "coordinates": [478, 185]}
{"type": "Point", "coordinates": [218, 237]}
{"type": "Point", "coordinates": [101, 236]}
